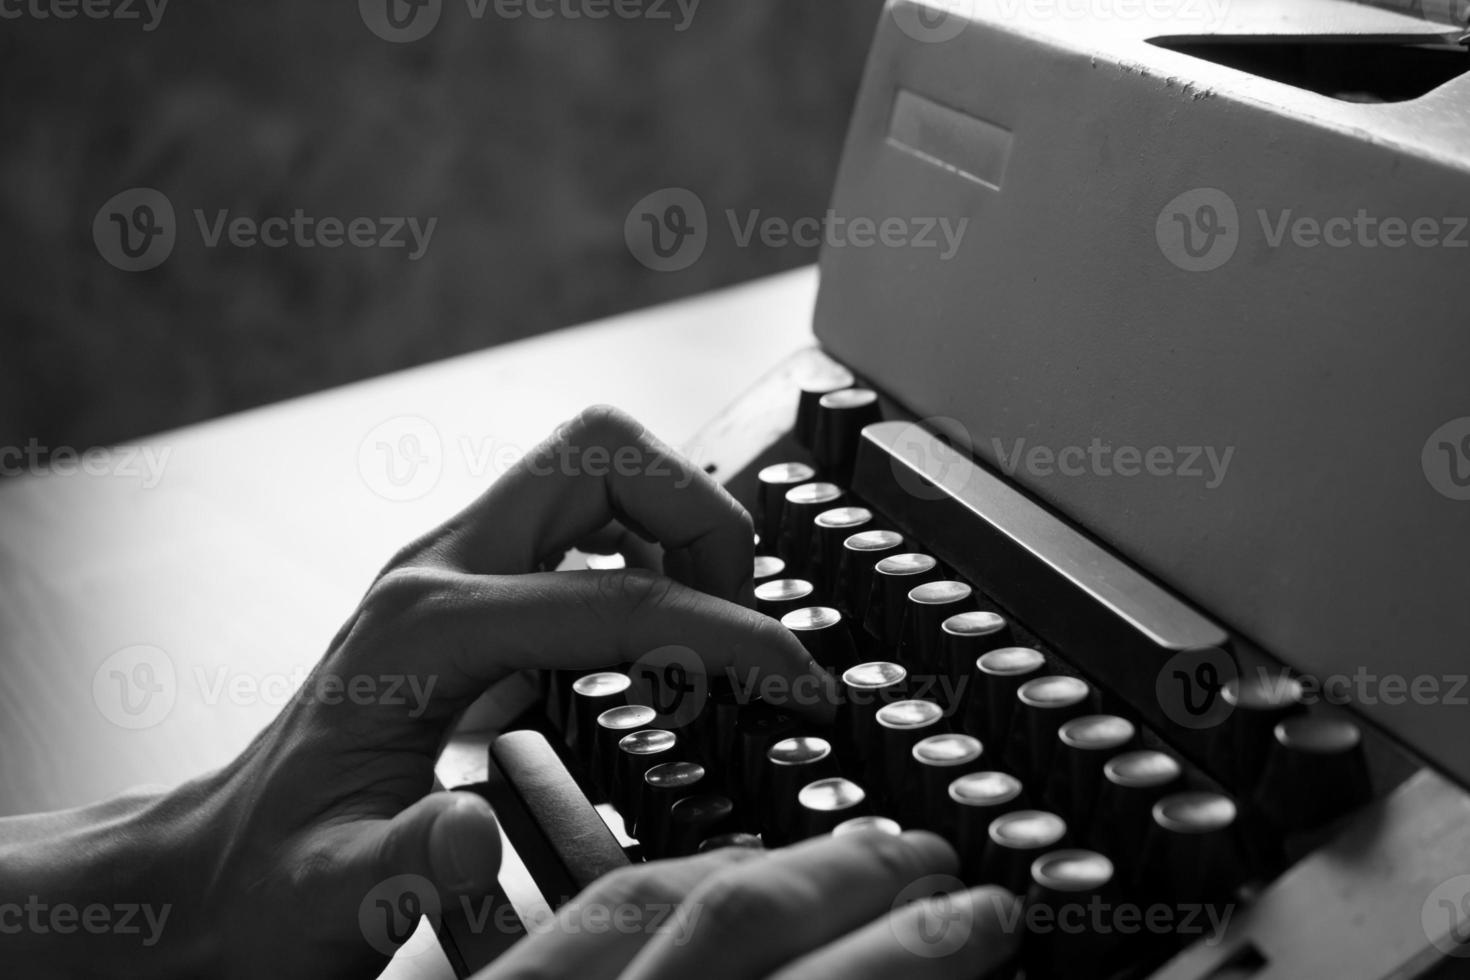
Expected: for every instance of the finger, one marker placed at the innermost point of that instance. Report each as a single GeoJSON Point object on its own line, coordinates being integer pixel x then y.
{"type": "Point", "coordinates": [599, 467]}
{"type": "Point", "coordinates": [453, 634]}
{"type": "Point", "coordinates": [965, 934]}
{"type": "Point", "coordinates": [754, 918]}
{"type": "Point", "coordinates": [616, 539]}
{"type": "Point", "coordinates": [598, 933]}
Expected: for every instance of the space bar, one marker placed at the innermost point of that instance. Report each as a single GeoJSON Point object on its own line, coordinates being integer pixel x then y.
{"type": "Point", "coordinates": [1100, 612]}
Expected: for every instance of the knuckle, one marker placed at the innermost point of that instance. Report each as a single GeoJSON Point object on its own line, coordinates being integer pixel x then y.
{"type": "Point", "coordinates": [736, 904]}
{"type": "Point", "coordinates": [408, 596]}
{"type": "Point", "coordinates": [640, 591]}
{"type": "Point", "coordinates": [892, 856]}
{"type": "Point", "coordinates": [636, 885]}
{"type": "Point", "coordinates": [604, 424]}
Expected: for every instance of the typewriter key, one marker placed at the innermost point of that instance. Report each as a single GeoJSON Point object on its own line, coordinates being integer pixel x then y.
{"type": "Point", "coordinates": [758, 726]}
{"type": "Point", "coordinates": [694, 820]}
{"type": "Point", "coordinates": [866, 688]}
{"type": "Point", "coordinates": [860, 552]}
{"type": "Point", "coordinates": [663, 786]}
{"type": "Point", "coordinates": [1315, 773]}
{"type": "Point", "coordinates": [1017, 839]}
{"type": "Point", "coordinates": [925, 608]}
{"type": "Point", "coordinates": [825, 803]}
{"type": "Point", "coordinates": [1259, 700]}
{"type": "Point", "coordinates": [893, 578]}
{"type": "Point", "coordinates": [812, 388]}
{"type": "Point", "coordinates": [1194, 852]}
{"type": "Point", "coordinates": [768, 567]}
{"type": "Point", "coordinates": [770, 499]}
{"type": "Point", "coordinates": [612, 725]}
{"type": "Point", "coordinates": [991, 701]}
{"type": "Point", "coordinates": [593, 694]}
{"type": "Point", "coordinates": [738, 839]}
{"type": "Point", "coordinates": [963, 637]}
{"type": "Point", "coordinates": [861, 825]}
{"type": "Point", "coordinates": [975, 800]}
{"type": "Point", "coordinates": [829, 529]}
{"type": "Point", "coordinates": [778, 596]}
{"type": "Point", "coordinates": [1067, 888]}
{"type": "Point", "coordinates": [1132, 783]}
{"type": "Point", "coordinates": [901, 726]}
{"type": "Point", "coordinates": [798, 522]}
{"type": "Point", "coordinates": [1084, 745]}
{"type": "Point", "coordinates": [637, 753]}
{"type": "Point", "coordinates": [1043, 705]}
{"type": "Point", "coordinates": [936, 762]}
{"type": "Point", "coordinates": [789, 765]}
{"type": "Point", "coordinates": [824, 633]}
{"type": "Point", "coordinates": [841, 416]}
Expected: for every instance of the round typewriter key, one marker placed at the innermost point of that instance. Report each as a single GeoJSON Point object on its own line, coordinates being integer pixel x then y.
{"type": "Point", "coordinates": [860, 552]}
{"type": "Point", "coordinates": [606, 563]}
{"type": "Point", "coordinates": [816, 384]}
{"type": "Point", "coordinates": [829, 529]}
{"type": "Point", "coordinates": [976, 799]}
{"type": "Point", "coordinates": [1259, 700]}
{"type": "Point", "coordinates": [1132, 783]}
{"type": "Point", "coordinates": [1043, 705]}
{"type": "Point", "coordinates": [1315, 773]}
{"type": "Point", "coordinates": [1017, 839]}
{"type": "Point", "coordinates": [663, 786]}
{"type": "Point", "coordinates": [824, 633]}
{"type": "Point", "coordinates": [866, 688]}
{"type": "Point", "coordinates": [963, 637]}
{"type": "Point", "coordinates": [798, 521]}
{"type": "Point", "coordinates": [770, 500]}
{"type": "Point", "coordinates": [901, 726]}
{"type": "Point", "coordinates": [1194, 852]}
{"type": "Point", "coordinates": [758, 726]}
{"type": "Point", "coordinates": [893, 578]}
{"type": "Point", "coordinates": [927, 606]}
{"type": "Point", "coordinates": [1067, 886]}
{"type": "Point", "coordinates": [593, 694]}
{"type": "Point", "coordinates": [612, 725]}
{"type": "Point", "coordinates": [790, 764]}
{"type": "Point", "coordinates": [825, 803]}
{"type": "Point", "coordinates": [639, 752]}
{"type": "Point", "coordinates": [841, 416]}
{"type": "Point", "coordinates": [732, 840]}
{"type": "Point", "coordinates": [937, 761]}
{"type": "Point", "coordinates": [695, 819]}
{"type": "Point", "coordinates": [768, 567]}
{"type": "Point", "coordinates": [778, 596]}
{"type": "Point", "coordinates": [991, 704]}
{"type": "Point", "coordinates": [1084, 745]}
{"type": "Point", "coordinates": [863, 825]}
{"type": "Point", "coordinates": [716, 723]}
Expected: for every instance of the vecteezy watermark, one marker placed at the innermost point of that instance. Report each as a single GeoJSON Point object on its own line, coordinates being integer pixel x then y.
{"type": "Point", "coordinates": [1199, 230]}
{"type": "Point", "coordinates": [143, 463]}
{"type": "Point", "coordinates": [136, 230]}
{"type": "Point", "coordinates": [390, 913]}
{"type": "Point", "coordinates": [1445, 916]}
{"type": "Point", "coordinates": [41, 918]}
{"type": "Point", "coordinates": [934, 21]}
{"type": "Point", "coordinates": [1188, 687]}
{"type": "Point", "coordinates": [137, 687]}
{"type": "Point", "coordinates": [669, 230]}
{"type": "Point", "coordinates": [1446, 459]}
{"type": "Point", "coordinates": [403, 459]}
{"type": "Point", "coordinates": [1103, 459]}
{"type": "Point", "coordinates": [149, 13]}
{"type": "Point", "coordinates": [404, 21]}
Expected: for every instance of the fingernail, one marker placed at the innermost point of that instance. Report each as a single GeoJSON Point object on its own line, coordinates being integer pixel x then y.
{"type": "Point", "coordinates": [465, 846]}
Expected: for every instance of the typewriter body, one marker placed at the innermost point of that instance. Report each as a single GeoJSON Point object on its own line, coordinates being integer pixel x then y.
{"type": "Point", "coordinates": [1172, 432]}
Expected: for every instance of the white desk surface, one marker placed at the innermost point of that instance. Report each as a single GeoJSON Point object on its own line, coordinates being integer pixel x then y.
{"type": "Point", "coordinates": [263, 531]}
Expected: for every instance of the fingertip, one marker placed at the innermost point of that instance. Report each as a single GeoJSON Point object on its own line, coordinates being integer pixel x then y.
{"type": "Point", "coordinates": [935, 853]}
{"type": "Point", "coordinates": [464, 844]}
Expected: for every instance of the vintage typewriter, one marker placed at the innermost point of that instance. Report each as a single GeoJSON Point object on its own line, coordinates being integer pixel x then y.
{"type": "Point", "coordinates": [1136, 529]}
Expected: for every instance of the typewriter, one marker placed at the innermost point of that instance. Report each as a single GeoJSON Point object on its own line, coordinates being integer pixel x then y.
{"type": "Point", "coordinates": [1136, 529]}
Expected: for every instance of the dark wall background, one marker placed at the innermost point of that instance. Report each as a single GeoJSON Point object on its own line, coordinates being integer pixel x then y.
{"type": "Point", "coordinates": [529, 139]}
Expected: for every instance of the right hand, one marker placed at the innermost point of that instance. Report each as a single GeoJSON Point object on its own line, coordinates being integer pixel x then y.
{"type": "Point", "coordinates": [830, 907]}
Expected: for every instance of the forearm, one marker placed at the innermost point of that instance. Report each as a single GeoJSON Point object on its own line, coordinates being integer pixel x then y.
{"type": "Point", "coordinates": [107, 890]}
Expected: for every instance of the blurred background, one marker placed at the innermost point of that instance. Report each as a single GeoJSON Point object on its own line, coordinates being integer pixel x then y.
{"type": "Point", "coordinates": [528, 137]}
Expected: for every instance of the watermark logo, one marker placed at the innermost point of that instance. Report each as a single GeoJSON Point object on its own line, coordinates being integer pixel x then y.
{"type": "Point", "coordinates": [400, 21]}
{"type": "Point", "coordinates": [401, 459]}
{"type": "Point", "coordinates": [1199, 230]}
{"type": "Point", "coordinates": [934, 22]}
{"type": "Point", "coordinates": [672, 681]}
{"type": "Point", "coordinates": [1189, 684]}
{"type": "Point", "coordinates": [1103, 459]}
{"type": "Point", "coordinates": [1445, 916]}
{"type": "Point", "coordinates": [135, 230]}
{"type": "Point", "coordinates": [136, 687]}
{"type": "Point", "coordinates": [40, 918]}
{"type": "Point", "coordinates": [943, 925]}
{"type": "Point", "coordinates": [667, 231]}
{"type": "Point", "coordinates": [925, 467]}
{"type": "Point", "coordinates": [149, 12]}
{"type": "Point", "coordinates": [1446, 459]}
{"type": "Point", "coordinates": [144, 463]}
{"type": "Point", "coordinates": [390, 913]}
